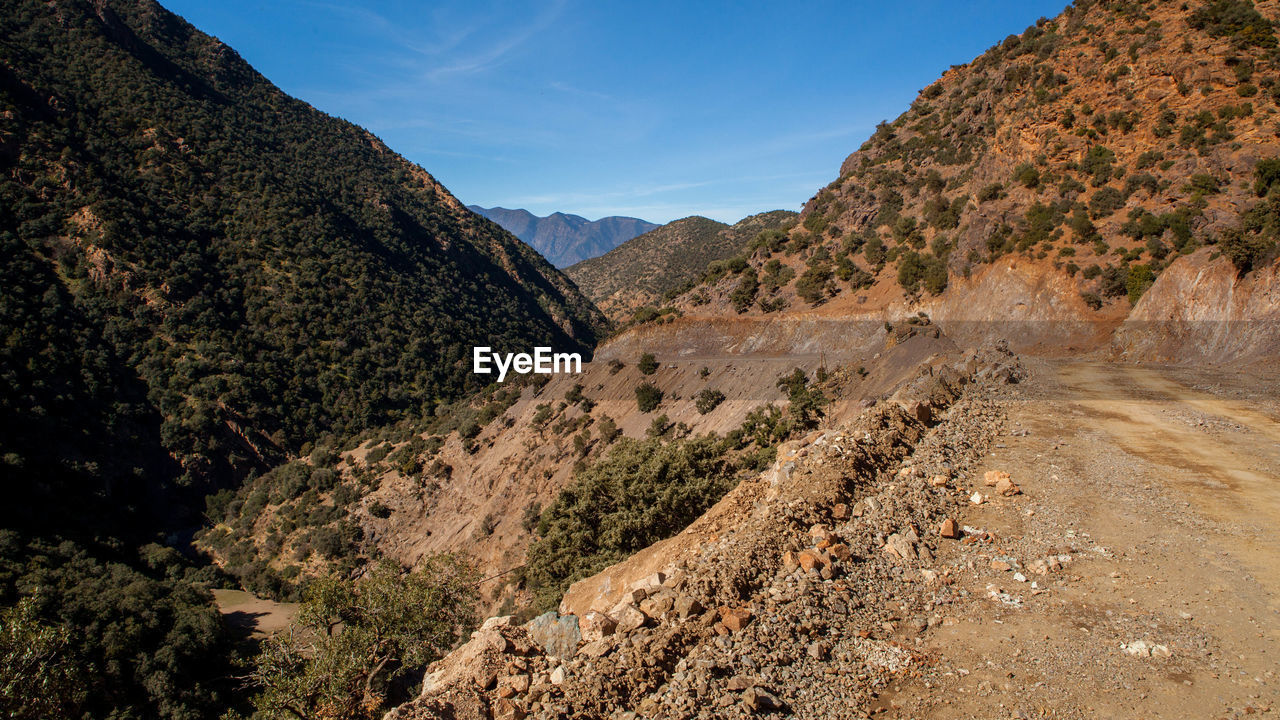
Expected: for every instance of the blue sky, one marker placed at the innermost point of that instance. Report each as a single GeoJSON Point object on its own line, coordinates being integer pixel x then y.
{"type": "Point", "coordinates": [653, 109]}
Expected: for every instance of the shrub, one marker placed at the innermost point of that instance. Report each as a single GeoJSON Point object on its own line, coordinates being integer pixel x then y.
{"type": "Point", "coordinates": [1114, 281]}
{"type": "Point", "coordinates": [1140, 278]}
{"type": "Point", "coordinates": [1105, 202]}
{"type": "Point", "coordinates": [358, 639]}
{"type": "Point", "coordinates": [659, 427]}
{"type": "Point", "coordinates": [708, 400]}
{"type": "Point", "coordinates": [745, 293]}
{"type": "Point", "coordinates": [806, 402]}
{"type": "Point", "coordinates": [607, 429]}
{"type": "Point", "coordinates": [1204, 184]}
{"type": "Point", "coordinates": [648, 397]}
{"type": "Point", "coordinates": [1265, 175]}
{"type": "Point", "coordinates": [915, 270]}
{"type": "Point", "coordinates": [648, 365]}
{"type": "Point", "coordinates": [1097, 164]}
{"type": "Point", "coordinates": [1027, 175]}
{"type": "Point", "coordinates": [1149, 159]}
{"type": "Point", "coordinates": [1236, 19]}
{"type": "Point", "coordinates": [529, 518]}
{"type": "Point", "coordinates": [641, 492]}
{"type": "Point", "coordinates": [994, 191]}
{"type": "Point", "coordinates": [644, 314]}
{"type": "Point", "coordinates": [1254, 241]}
{"type": "Point", "coordinates": [812, 285]}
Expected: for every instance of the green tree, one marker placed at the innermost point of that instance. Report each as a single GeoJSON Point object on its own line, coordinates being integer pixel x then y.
{"type": "Point", "coordinates": [39, 676]}
{"type": "Point", "coordinates": [708, 400]}
{"type": "Point", "coordinates": [641, 492]}
{"type": "Point", "coordinates": [648, 364]}
{"type": "Point", "coordinates": [745, 293]}
{"type": "Point", "coordinates": [354, 639]}
{"type": "Point", "coordinates": [648, 397]}
{"type": "Point", "coordinates": [806, 401]}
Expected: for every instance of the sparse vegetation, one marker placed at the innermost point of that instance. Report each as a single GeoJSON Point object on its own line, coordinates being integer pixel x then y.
{"type": "Point", "coordinates": [647, 364]}
{"type": "Point", "coordinates": [708, 400]}
{"type": "Point", "coordinates": [648, 397]}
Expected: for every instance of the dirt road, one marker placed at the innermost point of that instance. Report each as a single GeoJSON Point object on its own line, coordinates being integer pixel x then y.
{"type": "Point", "coordinates": [252, 615]}
{"type": "Point", "coordinates": [1158, 492]}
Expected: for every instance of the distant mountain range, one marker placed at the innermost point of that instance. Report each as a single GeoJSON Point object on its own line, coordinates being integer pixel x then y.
{"type": "Point", "coordinates": [565, 239]}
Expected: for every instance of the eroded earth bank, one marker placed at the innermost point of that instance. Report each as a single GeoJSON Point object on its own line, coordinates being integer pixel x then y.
{"type": "Point", "coordinates": [1002, 537]}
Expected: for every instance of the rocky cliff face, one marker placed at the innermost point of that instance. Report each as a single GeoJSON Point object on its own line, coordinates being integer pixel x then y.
{"type": "Point", "coordinates": [1200, 309]}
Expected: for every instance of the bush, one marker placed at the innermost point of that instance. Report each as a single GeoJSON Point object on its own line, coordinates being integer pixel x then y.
{"type": "Point", "coordinates": [1097, 164]}
{"type": "Point", "coordinates": [648, 397]}
{"type": "Point", "coordinates": [745, 293]}
{"type": "Point", "coordinates": [708, 400]}
{"type": "Point", "coordinates": [1254, 241]}
{"type": "Point", "coordinates": [607, 429]}
{"type": "Point", "coordinates": [648, 365]}
{"type": "Point", "coordinates": [1027, 175]}
{"type": "Point", "coordinates": [532, 513]}
{"type": "Point", "coordinates": [1236, 19]}
{"type": "Point", "coordinates": [806, 402]}
{"type": "Point", "coordinates": [641, 492]}
{"type": "Point", "coordinates": [915, 270]}
{"type": "Point", "coordinates": [812, 285]}
{"type": "Point", "coordinates": [994, 191]}
{"type": "Point", "coordinates": [659, 427]}
{"type": "Point", "coordinates": [358, 639]}
{"type": "Point", "coordinates": [1265, 175]}
{"type": "Point", "coordinates": [1140, 278]}
{"type": "Point", "coordinates": [1114, 281]}
{"type": "Point", "coordinates": [1105, 202]}
{"type": "Point", "coordinates": [37, 675]}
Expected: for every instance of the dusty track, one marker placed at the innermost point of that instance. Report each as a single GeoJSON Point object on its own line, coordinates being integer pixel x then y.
{"type": "Point", "coordinates": [1163, 485]}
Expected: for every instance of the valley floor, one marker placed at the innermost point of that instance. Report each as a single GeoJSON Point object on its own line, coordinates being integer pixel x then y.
{"type": "Point", "coordinates": [1162, 487]}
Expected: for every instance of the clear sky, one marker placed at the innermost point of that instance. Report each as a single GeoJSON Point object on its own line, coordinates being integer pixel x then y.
{"type": "Point", "coordinates": [657, 109]}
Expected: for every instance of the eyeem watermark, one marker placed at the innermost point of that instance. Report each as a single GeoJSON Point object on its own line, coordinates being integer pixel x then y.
{"type": "Point", "coordinates": [542, 362]}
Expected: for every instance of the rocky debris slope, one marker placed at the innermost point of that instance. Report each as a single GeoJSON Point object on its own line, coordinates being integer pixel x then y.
{"type": "Point", "coordinates": [790, 606]}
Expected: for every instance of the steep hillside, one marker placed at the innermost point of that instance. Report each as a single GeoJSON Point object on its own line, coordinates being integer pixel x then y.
{"type": "Point", "coordinates": [1093, 151]}
{"type": "Point", "coordinates": [644, 270]}
{"type": "Point", "coordinates": [203, 273]}
{"type": "Point", "coordinates": [565, 239]}
{"type": "Point", "coordinates": [477, 479]}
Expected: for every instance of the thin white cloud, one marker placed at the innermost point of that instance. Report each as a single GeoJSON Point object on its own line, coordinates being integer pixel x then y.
{"type": "Point", "coordinates": [495, 53]}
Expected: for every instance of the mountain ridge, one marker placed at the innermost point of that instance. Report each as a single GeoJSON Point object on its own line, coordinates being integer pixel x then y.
{"type": "Point", "coordinates": [643, 270]}
{"type": "Point", "coordinates": [564, 238]}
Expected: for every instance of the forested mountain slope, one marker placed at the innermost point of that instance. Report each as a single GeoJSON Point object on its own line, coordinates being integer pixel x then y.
{"type": "Point", "coordinates": [201, 275]}
{"type": "Point", "coordinates": [219, 272]}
